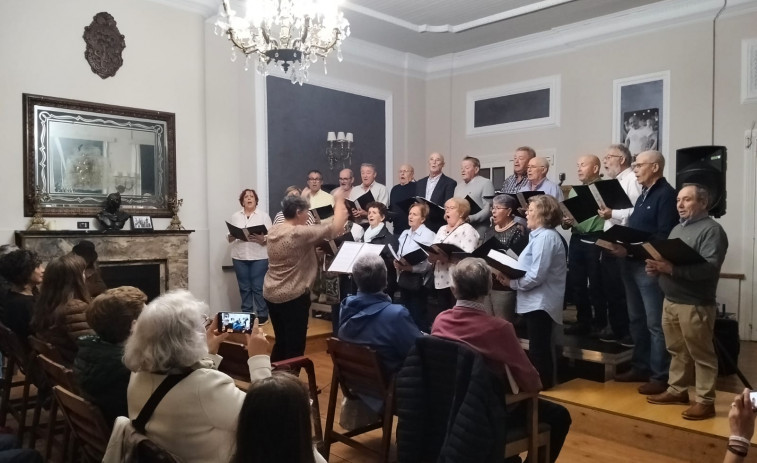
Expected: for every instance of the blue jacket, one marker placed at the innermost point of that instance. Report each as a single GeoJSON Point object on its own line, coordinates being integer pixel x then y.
{"type": "Point", "coordinates": [656, 213]}
{"type": "Point", "coordinates": [371, 319]}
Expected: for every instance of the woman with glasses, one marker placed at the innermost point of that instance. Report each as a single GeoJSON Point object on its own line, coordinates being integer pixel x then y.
{"type": "Point", "coordinates": [513, 236]}
{"type": "Point", "coordinates": [250, 258]}
{"type": "Point", "coordinates": [541, 290]}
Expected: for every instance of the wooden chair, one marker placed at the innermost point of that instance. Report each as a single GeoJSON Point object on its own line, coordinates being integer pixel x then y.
{"type": "Point", "coordinates": [17, 358]}
{"type": "Point", "coordinates": [44, 348]}
{"type": "Point", "coordinates": [234, 364]}
{"type": "Point", "coordinates": [358, 371]}
{"type": "Point", "coordinates": [57, 375]}
{"type": "Point", "coordinates": [86, 422]}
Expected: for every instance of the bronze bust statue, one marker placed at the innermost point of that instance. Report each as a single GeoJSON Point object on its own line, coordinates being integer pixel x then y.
{"type": "Point", "coordinates": [112, 217]}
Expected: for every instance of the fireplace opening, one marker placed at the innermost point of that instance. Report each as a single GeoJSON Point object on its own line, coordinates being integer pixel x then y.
{"type": "Point", "coordinates": [145, 276]}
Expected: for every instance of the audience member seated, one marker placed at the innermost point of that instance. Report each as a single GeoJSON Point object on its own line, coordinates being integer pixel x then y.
{"type": "Point", "coordinates": [99, 368]}
{"type": "Point", "coordinates": [197, 418]}
{"type": "Point", "coordinates": [23, 270]}
{"type": "Point", "coordinates": [59, 317]}
{"type": "Point", "coordinates": [92, 276]}
{"type": "Point", "coordinates": [741, 422]}
{"type": "Point", "coordinates": [369, 318]}
{"type": "Point", "coordinates": [285, 433]}
{"type": "Point", "coordinates": [11, 451]}
{"type": "Point", "coordinates": [495, 339]}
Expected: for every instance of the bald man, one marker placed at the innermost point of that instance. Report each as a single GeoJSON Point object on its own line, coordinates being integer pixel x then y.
{"type": "Point", "coordinates": [536, 173]}
{"type": "Point", "coordinates": [346, 179]}
{"type": "Point", "coordinates": [436, 187]}
{"type": "Point", "coordinates": [583, 261]}
{"type": "Point", "coordinates": [403, 190]}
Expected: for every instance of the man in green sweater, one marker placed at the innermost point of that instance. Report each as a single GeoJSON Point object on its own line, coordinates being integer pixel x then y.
{"type": "Point", "coordinates": [689, 308]}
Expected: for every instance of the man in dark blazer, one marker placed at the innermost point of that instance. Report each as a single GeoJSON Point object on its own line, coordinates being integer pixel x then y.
{"type": "Point", "coordinates": [436, 187]}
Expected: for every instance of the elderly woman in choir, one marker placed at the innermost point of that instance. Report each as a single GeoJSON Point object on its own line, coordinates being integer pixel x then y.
{"type": "Point", "coordinates": [293, 190]}
{"type": "Point", "coordinates": [377, 233]}
{"type": "Point", "coordinates": [542, 288]}
{"type": "Point", "coordinates": [292, 268]}
{"type": "Point", "coordinates": [513, 236]}
{"type": "Point", "coordinates": [413, 278]}
{"type": "Point", "coordinates": [459, 233]}
{"type": "Point", "coordinates": [197, 418]}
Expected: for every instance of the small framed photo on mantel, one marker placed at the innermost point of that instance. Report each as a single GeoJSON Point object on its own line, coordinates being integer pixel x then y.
{"type": "Point", "coordinates": [141, 223]}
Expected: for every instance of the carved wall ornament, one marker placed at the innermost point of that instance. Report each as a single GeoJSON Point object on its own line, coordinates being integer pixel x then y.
{"type": "Point", "coordinates": [105, 43]}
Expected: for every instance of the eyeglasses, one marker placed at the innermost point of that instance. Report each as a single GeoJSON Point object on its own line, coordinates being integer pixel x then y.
{"type": "Point", "coordinates": [500, 208]}
{"type": "Point", "coordinates": [636, 165]}
{"type": "Point", "coordinates": [405, 171]}
{"type": "Point", "coordinates": [345, 179]}
{"type": "Point", "coordinates": [310, 179]}
{"type": "Point", "coordinates": [608, 156]}
{"type": "Point", "coordinates": [534, 167]}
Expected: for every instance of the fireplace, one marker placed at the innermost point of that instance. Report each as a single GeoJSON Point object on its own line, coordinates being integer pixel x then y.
{"type": "Point", "coordinates": [155, 261]}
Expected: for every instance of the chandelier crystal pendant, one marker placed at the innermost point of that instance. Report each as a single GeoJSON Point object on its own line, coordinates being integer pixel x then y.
{"type": "Point", "coordinates": [290, 33]}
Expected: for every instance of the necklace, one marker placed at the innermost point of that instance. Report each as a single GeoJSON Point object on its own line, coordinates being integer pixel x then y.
{"type": "Point", "coordinates": [498, 229]}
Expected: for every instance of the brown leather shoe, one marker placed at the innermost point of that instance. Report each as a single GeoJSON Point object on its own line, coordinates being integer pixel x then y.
{"type": "Point", "coordinates": [653, 387]}
{"type": "Point", "coordinates": [632, 376]}
{"type": "Point", "coordinates": [666, 398]}
{"type": "Point", "coordinates": [699, 411]}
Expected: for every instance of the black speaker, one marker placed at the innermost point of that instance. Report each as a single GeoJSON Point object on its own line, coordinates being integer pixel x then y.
{"type": "Point", "coordinates": [706, 166]}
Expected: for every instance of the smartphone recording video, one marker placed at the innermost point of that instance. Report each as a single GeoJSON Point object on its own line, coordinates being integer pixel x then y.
{"type": "Point", "coordinates": [753, 399]}
{"type": "Point", "coordinates": [235, 322]}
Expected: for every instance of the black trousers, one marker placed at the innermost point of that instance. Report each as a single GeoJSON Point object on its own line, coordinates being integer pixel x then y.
{"type": "Point", "coordinates": [290, 326]}
{"type": "Point", "coordinates": [586, 282]}
{"type": "Point", "coordinates": [540, 349]}
{"type": "Point", "coordinates": [615, 293]}
{"type": "Point", "coordinates": [416, 302]}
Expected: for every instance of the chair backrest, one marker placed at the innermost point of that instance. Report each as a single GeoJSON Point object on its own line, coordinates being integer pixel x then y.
{"type": "Point", "coordinates": [57, 374]}
{"type": "Point", "coordinates": [234, 360]}
{"type": "Point", "coordinates": [358, 369]}
{"type": "Point", "coordinates": [441, 386]}
{"type": "Point", "coordinates": [11, 345]}
{"type": "Point", "coordinates": [86, 423]}
{"type": "Point", "coordinates": [45, 348]}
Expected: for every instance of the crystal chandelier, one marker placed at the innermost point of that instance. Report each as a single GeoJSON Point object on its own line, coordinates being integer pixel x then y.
{"type": "Point", "coordinates": [291, 33]}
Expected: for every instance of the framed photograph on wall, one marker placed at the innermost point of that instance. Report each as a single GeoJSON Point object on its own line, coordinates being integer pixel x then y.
{"type": "Point", "coordinates": [141, 222]}
{"type": "Point", "coordinates": [641, 112]}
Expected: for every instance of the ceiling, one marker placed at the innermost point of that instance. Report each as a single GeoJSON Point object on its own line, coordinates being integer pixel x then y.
{"type": "Point", "coordinates": [410, 25]}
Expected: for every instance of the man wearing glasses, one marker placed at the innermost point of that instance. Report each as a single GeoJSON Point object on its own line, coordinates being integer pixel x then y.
{"type": "Point", "coordinates": [346, 179]}
{"type": "Point", "coordinates": [617, 165]}
{"type": "Point", "coordinates": [400, 192]}
{"type": "Point", "coordinates": [536, 172]}
{"type": "Point", "coordinates": [654, 212]}
{"type": "Point", "coordinates": [316, 196]}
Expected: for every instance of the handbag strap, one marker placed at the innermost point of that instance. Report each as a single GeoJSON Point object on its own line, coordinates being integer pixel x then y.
{"type": "Point", "coordinates": [152, 403]}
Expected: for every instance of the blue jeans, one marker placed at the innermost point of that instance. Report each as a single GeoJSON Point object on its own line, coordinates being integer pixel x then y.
{"type": "Point", "coordinates": [250, 275]}
{"type": "Point", "coordinates": [644, 299]}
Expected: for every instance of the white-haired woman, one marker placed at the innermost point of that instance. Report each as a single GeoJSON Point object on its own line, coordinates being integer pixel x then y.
{"type": "Point", "coordinates": [197, 419]}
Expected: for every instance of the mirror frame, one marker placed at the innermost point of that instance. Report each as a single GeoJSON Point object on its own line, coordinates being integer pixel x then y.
{"type": "Point", "coordinates": [36, 141]}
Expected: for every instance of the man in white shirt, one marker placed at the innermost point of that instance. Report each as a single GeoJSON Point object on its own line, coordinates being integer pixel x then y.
{"type": "Point", "coordinates": [316, 196]}
{"type": "Point", "coordinates": [369, 183]}
{"type": "Point", "coordinates": [476, 187]}
{"type": "Point", "coordinates": [617, 165]}
{"type": "Point", "coordinates": [537, 179]}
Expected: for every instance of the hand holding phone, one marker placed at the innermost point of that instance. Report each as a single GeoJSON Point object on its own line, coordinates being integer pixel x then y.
{"type": "Point", "coordinates": [753, 399]}
{"type": "Point", "coordinates": [257, 344]}
{"type": "Point", "coordinates": [235, 322]}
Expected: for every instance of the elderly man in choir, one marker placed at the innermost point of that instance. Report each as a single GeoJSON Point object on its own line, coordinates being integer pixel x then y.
{"type": "Point", "coordinates": [346, 179]}
{"type": "Point", "coordinates": [655, 213]}
{"type": "Point", "coordinates": [368, 177]}
{"type": "Point", "coordinates": [494, 338]}
{"type": "Point", "coordinates": [436, 187]}
{"type": "Point", "coordinates": [583, 261]}
{"type": "Point", "coordinates": [617, 165]}
{"type": "Point", "coordinates": [689, 308]}
{"type": "Point", "coordinates": [537, 170]}
{"type": "Point", "coordinates": [401, 192]}
{"type": "Point", "coordinates": [314, 193]}
{"type": "Point", "coordinates": [518, 179]}
{"type": "Point", "coordinates": [477, 187]}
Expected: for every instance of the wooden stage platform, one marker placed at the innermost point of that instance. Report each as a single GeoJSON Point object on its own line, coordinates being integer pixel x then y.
{"type": "Point", "coordinates": [617, 412]}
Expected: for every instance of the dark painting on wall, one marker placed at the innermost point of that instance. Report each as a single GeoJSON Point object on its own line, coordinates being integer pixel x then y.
{"type": "Point", "coordinates": [299, 119]}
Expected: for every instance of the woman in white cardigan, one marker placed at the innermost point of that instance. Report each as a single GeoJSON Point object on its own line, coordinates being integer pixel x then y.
{"type": "Point", "coordinates": [197, 419]}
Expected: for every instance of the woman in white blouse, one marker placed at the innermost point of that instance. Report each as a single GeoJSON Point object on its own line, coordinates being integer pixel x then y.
{"type": "Point", "coordinates": [250, 258]}
{"type": "Point", "coordinates": [457, 232]}
{"type": "Point", "coordinates": [412, 278]}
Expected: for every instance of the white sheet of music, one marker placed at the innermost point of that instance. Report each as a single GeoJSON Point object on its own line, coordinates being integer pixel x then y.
{"type": "Point", "coordinates": [349, 252]}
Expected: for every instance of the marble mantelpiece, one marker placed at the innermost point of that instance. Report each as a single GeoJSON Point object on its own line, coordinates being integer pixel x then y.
{"type": "Point", "coordinates": [168, 248]}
